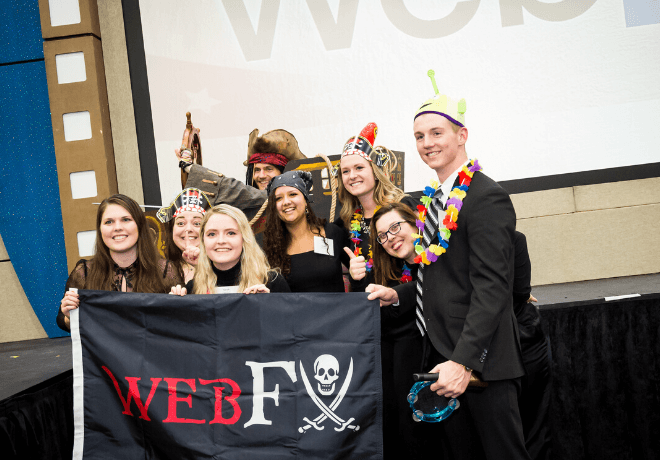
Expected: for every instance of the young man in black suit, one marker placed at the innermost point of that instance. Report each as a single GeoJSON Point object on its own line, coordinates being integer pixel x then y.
{"type": "Point", "coordinates": [464, 302]}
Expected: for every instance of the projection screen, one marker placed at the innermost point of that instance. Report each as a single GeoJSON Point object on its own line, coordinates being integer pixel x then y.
{"type": "Point", "coordinates": [552, 87]}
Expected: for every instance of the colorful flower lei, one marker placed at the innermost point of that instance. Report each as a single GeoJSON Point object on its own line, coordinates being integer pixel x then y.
{"type": "Point", "coordinates": [356, 228]}
{"type": "Point", "coordinates": [446, 224]}
{"type": "Point", "coordinates": [405, 274]}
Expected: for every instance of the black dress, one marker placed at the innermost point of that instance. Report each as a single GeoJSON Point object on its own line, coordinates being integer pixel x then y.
{"type": "Point", "coordinates": [401, 356]}
{"type": "Point", "coordinates": [78, 279]}
{"type": "Point", "coordinates": [232, 277]}
{"type": "Point", "coordinates": [313, 272]}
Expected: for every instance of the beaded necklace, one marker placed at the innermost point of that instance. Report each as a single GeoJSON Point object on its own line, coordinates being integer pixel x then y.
{"type": "Point", "coordinates": [447, 223]}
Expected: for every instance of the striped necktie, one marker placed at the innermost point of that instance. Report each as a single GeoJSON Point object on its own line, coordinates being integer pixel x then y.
{"type": "Point", "coordinates": [430, 229]}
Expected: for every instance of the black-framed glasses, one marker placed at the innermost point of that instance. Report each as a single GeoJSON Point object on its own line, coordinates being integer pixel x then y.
{"type": "Point", "coordinates": [393, 230]}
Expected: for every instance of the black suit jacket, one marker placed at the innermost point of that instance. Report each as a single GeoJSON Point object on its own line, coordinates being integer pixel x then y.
{"type": "Point", "coordinates": [468, 290]}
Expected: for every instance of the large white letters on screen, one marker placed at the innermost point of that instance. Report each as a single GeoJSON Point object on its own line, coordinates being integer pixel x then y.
{"type": "Point", "coordinates": [512, 10]}
{"type": "Point", "coordinates": [403, 20]}
{"type": "Point", "coordinates": [256, 44]}
{"type": "Point", "coordinates": [550, 84]}
{"type": "Point", "coordinates": [335, 35]}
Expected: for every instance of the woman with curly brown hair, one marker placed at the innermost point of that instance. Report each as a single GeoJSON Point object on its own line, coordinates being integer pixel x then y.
{"type": "Point", "coordinates": [308, 250]}
{"type": "Point", "coordinates": [125, 259]}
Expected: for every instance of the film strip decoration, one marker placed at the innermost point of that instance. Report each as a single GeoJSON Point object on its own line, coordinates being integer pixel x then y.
{"type": "Point", "coordinates": [80, 116]}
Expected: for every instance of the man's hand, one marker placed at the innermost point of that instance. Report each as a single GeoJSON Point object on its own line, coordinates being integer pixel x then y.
{"type": "Point", "coordinates": [358, 267]}
{"type": "Point", "coordinates": [185, 158]}
{"type": "Point", "coordinates": [452, 381]}
{"type": "Point", "coordinates": [387, 296]}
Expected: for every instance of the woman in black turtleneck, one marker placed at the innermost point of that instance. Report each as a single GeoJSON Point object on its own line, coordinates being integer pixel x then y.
{"type": "Point", "coordinates": [231, 261]}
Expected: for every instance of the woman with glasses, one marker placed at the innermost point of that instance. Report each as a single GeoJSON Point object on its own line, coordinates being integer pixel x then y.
{"type": "Point", "coordinates": [392, 229]}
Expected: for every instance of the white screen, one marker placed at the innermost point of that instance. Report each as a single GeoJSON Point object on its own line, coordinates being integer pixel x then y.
{"type": "Point", "coordinates": [552, 87]}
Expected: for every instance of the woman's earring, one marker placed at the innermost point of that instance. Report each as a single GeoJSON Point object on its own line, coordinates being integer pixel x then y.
{"type": "Point", "coordinates": [306, 210]}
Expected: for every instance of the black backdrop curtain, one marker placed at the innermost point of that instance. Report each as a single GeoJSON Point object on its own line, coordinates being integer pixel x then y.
{"type": "Point", "coordinates": [38, 423]}
{"type": "Point", "coordinates": [605, 403]}
{"type": "Point", "coordinates": [606, 381]}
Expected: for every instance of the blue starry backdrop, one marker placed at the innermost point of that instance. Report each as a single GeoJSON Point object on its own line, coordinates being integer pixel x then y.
{"type": "Point", "coordinates": [30, 210]}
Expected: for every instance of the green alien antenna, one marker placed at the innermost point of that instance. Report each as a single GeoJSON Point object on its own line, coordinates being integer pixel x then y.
{"type": "Point", "coordinates": [441, 104]}
{"type": "Point", "coordinates": [431, 74]}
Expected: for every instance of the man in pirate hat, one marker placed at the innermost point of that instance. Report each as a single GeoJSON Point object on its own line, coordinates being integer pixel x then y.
{"type": "Point", "coordinates": [266, 158]}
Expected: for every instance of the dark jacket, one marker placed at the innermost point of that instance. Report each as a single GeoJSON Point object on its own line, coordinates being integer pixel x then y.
{"type": "Point", "coordinates": [468, 290]}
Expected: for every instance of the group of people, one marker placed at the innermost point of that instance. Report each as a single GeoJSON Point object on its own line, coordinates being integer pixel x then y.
{"type": "Point", "coordinates": [451, 273]}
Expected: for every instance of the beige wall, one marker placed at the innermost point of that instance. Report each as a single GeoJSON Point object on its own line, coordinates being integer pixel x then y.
{"type": "Point", "coordinates": [18, 319]}
{"type": "Point", "coordinates": [120, 99]}
{"type": "Point", "coordinates": [592, 231]}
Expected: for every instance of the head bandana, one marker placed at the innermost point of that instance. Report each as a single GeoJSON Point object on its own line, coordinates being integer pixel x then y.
{"type": "Point", "coordinates": [301, 180]}
{"type": "Point", "coordinates": [443, 105]}
{"type": "Point", "coordinates": [190, 199]}
{"type": "Point", "coordinates": [269, 158]}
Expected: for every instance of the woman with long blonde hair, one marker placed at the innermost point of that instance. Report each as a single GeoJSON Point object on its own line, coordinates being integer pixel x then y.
{"type": "Point", "coordinates": [365, 185]}
{"type": "Point", "coordinates": [230, 259]}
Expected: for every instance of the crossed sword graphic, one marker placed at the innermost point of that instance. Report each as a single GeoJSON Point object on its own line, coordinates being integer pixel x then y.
{"type": "Point", "coordinates": [328, 412]}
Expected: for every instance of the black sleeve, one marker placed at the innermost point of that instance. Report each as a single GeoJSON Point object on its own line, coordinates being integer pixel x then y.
{"type": "Point", "coordinates": [277, 283]}
{"type": "Point", "coordinates": [76, 280]}
{"type": "Point", "coordinates": [410, 202]}
{"type": "Point", "coordinates": [190, 286]}
{"type": "Point", "coordinates": [406, 293]}
{"type": "Point", "coordinates": [361, 285]}
{"type": "Point", "coordinates": [341, 240]}
{"type": "Point", "coordinates": [522, 274]}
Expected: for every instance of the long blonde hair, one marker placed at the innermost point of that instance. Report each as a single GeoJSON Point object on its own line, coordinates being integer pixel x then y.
{"type": "Point", "coordinates": [384, 192]}
{"type": "Point", "coordinates": [254, 266]}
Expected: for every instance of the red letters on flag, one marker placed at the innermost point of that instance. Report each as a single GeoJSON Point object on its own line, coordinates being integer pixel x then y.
{"type": "Point", "coordinates": [231, 399]}
{"type": "Point", "coordinates": [173, 399]}
{"type": "Point", "coordinates": [134, 394]}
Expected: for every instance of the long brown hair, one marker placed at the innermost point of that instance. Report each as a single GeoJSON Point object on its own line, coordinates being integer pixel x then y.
{"type": "Point", "coordinates": [172, 251]}
{"type": "Point", "coordinates": [385, 266]}
{"type": "Point", "coordinates": [277, 238]}
{"type": "Point", "coordinates": [384, 192]}
{"type": "Point", "coordinates": [148, 276]}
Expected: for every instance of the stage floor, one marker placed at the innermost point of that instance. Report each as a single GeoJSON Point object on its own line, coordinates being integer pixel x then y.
{"type": "Point", "coordinates": [30, 362]}
{"type": "Point", "coordinates": [557, 294]}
